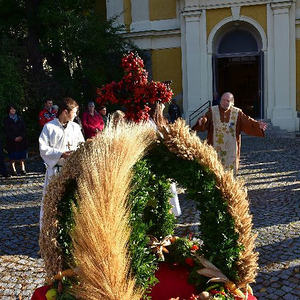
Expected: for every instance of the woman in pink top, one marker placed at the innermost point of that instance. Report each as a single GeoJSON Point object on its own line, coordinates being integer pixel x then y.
{"type": "Point", "coordinates": [92, 121]}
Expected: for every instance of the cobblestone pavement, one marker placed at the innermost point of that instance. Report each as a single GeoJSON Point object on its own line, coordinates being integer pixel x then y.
{"type": "Point", "coordinates": [21, 268]}
{"type": "Point", "coordinates": [271, 168]}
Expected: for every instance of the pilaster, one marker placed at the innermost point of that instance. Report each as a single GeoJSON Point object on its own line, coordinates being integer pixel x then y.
{"type": "Point", "coordinates": [115, 8]}
{"type": "Point", "coordinates": [192, 19]}
{"type": "Point", "coordinates": [140, 17]}
{"type": "Point", "coordinates": [284, 113]}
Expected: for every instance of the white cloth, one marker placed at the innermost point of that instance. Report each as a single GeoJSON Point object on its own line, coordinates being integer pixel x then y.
{"type": "Point", "coordinates": [54, 140]}
{"type": "Point", "coordinates": [224, 137]}
{"type": "Point", "coordinates": [176, 210]}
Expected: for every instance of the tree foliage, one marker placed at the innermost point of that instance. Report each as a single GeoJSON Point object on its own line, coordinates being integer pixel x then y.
{"type": "Point", "coordinates": [55, 48]}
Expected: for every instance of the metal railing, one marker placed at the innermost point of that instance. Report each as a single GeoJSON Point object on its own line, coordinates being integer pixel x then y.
{"type": "Point", "coordinates": [196, 113]}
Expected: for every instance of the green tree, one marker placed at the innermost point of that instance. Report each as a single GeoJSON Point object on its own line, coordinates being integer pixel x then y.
{"type": "Point", "coordinates": [55, 48]}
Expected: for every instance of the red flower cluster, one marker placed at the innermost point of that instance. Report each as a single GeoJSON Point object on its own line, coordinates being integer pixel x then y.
{"type": "Point", "coordinates": [189, 261]}
{"type": "Point", "coordinates": [134, 92]}
{"type": "Point", "coordinates": [194, 248]}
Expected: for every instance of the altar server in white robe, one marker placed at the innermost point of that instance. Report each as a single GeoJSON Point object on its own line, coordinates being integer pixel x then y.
{"type": "Point", "coordinates": [58, 139]}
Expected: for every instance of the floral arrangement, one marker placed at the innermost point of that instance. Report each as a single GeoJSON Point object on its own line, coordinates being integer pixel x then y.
{"type": "Point", "coordinates": [208, 281]}
{"type": "Point", "coordinates": [176, 252]}
{"type": "Point", "coordinates": [134, 92]}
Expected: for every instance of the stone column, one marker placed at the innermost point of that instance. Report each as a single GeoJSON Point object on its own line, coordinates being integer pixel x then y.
{"type": "Point", "coordinates": [284, 110]}
{"type": "Point", "coordinates": [192, 20]}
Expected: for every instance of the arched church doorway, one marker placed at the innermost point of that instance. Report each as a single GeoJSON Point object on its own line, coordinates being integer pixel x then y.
{"type": "Point", "coordinates": [238, 67]}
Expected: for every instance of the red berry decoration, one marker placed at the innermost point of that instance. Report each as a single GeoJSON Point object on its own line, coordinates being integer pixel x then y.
{"type": "Point", "coordinates": [134, 92]}
{"type": "Point", "coordinates": [189, 261]}
{"type": "Point", "coordinates": [194, 248]}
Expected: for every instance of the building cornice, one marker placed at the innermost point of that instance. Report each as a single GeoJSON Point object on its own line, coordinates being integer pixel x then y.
{"type": "Point", "coordinates": [152, 33]}
{"type": "Point", "coordinates": [281, 4]}
{"type": "Point", "coordinates": [209, 4]}
{"type": "Point", "coordinates": [192, 14]}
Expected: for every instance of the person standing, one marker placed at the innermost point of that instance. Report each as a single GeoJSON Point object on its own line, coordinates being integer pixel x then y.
{"type": "Point", "coordinates": [3, 169]}
{"type": "Point", "coordinates": [48, 113]}
{"type": "Point", "coordinates": [16, 142]}
{"type": "Point", "coordinates": [103, 112]}
{"type": "Point", "coordinates": [174, 111]}
{"type": "Point", "coordinates": [58, 140]}
{"type": "Point", "coordinates": [92, 121]}
{"type": "Point", "coordinates": [224, 124]}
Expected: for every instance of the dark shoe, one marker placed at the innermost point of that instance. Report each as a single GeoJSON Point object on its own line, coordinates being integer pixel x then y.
{"type": "Point", "coordinates": [23, 172]}
{"type": "Point", "coordinates": [14, 173]}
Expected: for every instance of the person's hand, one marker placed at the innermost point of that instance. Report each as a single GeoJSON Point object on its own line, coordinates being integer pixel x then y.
{"type": "Point", "coordinates": [202, 121]}
{"type": "Point", "coordinates": [66, 154]}
{"type": "Point", "coordinates": [96, 130]}
{"type": "Point", "coordinates": [18, 139]}
{"type": "Point", "coordinates": [262, 125]}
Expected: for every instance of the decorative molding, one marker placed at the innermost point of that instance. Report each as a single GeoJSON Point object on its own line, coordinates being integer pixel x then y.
{"type": "Point", "coordinates": [235, 11]}
{"type": "Point", "coordinates": [282, 7]}
{"type": "Point", "coordinates": [209, 4]}
{"type": "Point", "coordinates": [206, 4]}
{"type": "Point", "coordinates": [152, 33]}
{"type": "Point", "coordinates": [218, 26]}
{"type": "Point", "coordinates": [192, 13]}
{"type": "Point", "coordinates": [140, 26]}
{"type": "Point", "coordinates": [161, 25]}
{"type": "Point", "coordinates": [154, 41]}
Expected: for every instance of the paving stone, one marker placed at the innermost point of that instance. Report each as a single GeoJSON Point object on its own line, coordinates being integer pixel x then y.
{"type": "Point", "coordinates": [279, 292]}
{"type": "Point", "coordinates": [290, 297]}
{"type": "Point", "coordinates": [287, 288]}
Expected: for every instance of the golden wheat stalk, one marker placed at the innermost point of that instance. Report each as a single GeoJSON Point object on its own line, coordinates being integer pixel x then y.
{"type": "Point", "coordinates": [101, 235]}
{"type": "Point", "coordinates": [102, 169]}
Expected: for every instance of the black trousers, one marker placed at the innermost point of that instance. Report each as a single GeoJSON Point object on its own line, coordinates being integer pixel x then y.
{"type": "Point", "coordinates": [3, 169]}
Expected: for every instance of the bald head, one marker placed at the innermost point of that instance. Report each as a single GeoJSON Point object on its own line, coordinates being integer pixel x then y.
{"type": "Point", "coordinates": [227, 100]}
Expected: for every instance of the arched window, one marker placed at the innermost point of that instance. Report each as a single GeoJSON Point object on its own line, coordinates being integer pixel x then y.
{"type": "Point", "coordinates": [237, 41]}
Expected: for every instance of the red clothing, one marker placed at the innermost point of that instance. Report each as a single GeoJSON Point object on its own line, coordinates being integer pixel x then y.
{"type": "Point", "coordinates": [92, 124]}
{"type": "Point", "coordinates": [46, 116]}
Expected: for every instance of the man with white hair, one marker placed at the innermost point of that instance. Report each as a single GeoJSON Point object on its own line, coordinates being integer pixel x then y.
{"type": "Point", "coordinates": [224, 123]}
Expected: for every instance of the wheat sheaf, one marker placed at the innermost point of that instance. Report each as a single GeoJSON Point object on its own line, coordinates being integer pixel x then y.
{"type": "Point", "coordinates": [102, 169]}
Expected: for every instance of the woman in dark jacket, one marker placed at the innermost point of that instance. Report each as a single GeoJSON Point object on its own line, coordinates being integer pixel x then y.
{"type": "Point", "coordinates": [16, 142]}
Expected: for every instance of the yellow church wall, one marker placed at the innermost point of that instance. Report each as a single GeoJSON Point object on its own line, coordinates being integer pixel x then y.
{"type": "Point", "coordinates": [298, 75]}
{"type": "Point", "coordinates": [127, 14]}
{"type": "Point", "coordinates": [166, 65]}
{"type": "Point", "coordinates": [214, 16]}
{"type": "Point", "coordinates": [256, 12]}
{"type": "Point", "coordinates": [162, 9]}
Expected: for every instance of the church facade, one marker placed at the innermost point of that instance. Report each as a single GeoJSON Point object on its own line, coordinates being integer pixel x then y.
{"type": "Point", "coordinates": [206, 47]}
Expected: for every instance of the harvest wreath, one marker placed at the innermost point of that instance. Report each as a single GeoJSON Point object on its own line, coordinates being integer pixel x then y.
{"type": "Point", "coordinates": [107, 220]}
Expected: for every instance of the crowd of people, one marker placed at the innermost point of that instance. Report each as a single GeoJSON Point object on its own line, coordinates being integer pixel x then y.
{"type": "Point", "coordinates": [16, 143]}
{"type": "Point", "coordinates": [62, 130]}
